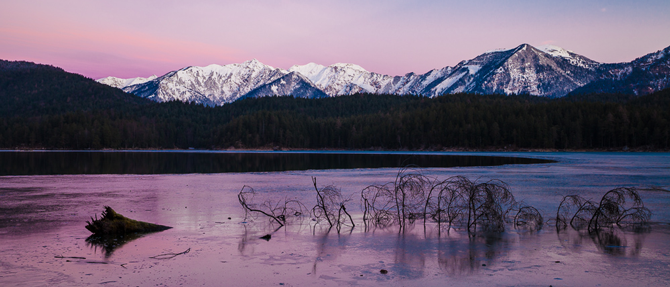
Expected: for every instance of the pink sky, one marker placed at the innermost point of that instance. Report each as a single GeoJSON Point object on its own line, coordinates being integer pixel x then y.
{"type": "Point", "coordinates": [140, 38]}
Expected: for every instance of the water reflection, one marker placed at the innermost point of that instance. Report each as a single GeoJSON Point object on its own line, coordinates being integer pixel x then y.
{"type": "Point", "coordinates": [415, 251]}
{"type": "Point", "coordinates": [612, 241]}
{"type": "Point", "coordinates": [326, 248]}
{"type": "Point", "coordinates": [41, 163]}
{"type": "Point", "coordinates": [110, 243]}
{"type": "Point", "coordinates": [467, 255]}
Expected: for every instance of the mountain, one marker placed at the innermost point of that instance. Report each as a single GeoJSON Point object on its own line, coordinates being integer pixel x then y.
{"type": "Point", "coordinates": [29, 89]}
{"type": "Point", "coordinates": [211, 85]}
{"type": "Point", "coordinates": [293, 84]}
{"type": "Point", "coordinates": [522, 70]}
{"type": "Point", "coordinates": [546, 71]}
{"type": "Point", "coordinates": [345, 79]}
{"type": "Point", "coordinates": [642, 76]}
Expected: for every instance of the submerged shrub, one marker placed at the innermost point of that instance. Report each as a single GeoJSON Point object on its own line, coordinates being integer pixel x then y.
{"type": "Point", "coordinates": [615, 209]}
{"type": "Point", "coordinates": [528, 217]}
{"type": "Point", "coordinates": [399, 202]}
{"type": "Point", "coordinates": [574, 211]}
{"type": "Point", "coordinates": [456, 201]}
{"type": "Point", "coordinates": [330, 206]}
{"type": "Point", "coordinates": [622, 207]}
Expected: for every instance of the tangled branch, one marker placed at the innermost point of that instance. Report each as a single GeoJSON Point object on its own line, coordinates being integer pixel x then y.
{"type": "Point", "coordinates": [456, 201]}
{"type": "Point", "coordinates": [620, 206]}
{"type": "Point", "coordinates": [277, 210]}
{"type": "Point", "coordinates": [331, 205]}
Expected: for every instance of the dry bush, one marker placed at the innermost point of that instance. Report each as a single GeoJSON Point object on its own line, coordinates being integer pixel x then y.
{"type": "Point", "coordinates": [401, 202]}
{"type": "Point", "coordinates": [529, 218]}
{"type": "Point", "coordinates": [456, 201]}
{"type": "Point", "coordinates": [615, 209]}
{"type": "Point", "coordinates": [574, 211]}
{"type": "Point", "coordinates": [622, 207]}
{"type": "Point", "coordinates": [330, 205]}
{"type": "Point", "coordinates": [278, 210]}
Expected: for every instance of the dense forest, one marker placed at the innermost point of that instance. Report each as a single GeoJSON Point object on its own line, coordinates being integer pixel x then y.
{"type": "Point", "coordinates": [73, 112]}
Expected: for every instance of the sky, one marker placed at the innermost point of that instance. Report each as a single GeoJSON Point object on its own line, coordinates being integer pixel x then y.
{"type": "Point", "coordinates": [141, 38]}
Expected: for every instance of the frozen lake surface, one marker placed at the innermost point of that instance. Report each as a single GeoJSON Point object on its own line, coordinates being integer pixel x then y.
{"type": "Point", "coordinates": [42, 218]}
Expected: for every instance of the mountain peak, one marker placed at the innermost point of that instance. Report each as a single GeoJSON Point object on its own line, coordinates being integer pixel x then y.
{"type": "Point", "coordinates": [308, 69]}
{"type": "Point", "coordinates": [253, 63]}
{"type": "Point", "coordinates": [523, 47]}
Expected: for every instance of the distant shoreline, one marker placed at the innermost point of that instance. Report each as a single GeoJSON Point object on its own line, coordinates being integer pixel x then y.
{"type": "Point", "coordinates": [266, 149]}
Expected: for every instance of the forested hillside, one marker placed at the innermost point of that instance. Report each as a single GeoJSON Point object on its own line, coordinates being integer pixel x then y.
{"type": "Point", "coordinates": [29, 89]}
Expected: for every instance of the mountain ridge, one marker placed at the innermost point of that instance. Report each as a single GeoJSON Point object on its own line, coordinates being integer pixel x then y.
{"type": "Point", "coordinates": [546, 71]}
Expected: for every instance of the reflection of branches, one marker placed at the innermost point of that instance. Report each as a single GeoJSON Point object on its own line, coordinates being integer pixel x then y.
{"type": "Point", "coordinates": [277, 210]}
{"type": "Point", "coordinates": [249, 236]}
{"type": "Point", "coordinates": [462, 260]}
{"type": "Point", "coordinates": [613, 241]}
{"type": "Point", "coordinates": [325, 249]}
{"type": "Point", "coordinates": [330, 205]}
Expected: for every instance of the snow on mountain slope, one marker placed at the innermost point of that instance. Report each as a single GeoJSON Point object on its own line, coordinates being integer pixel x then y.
{"type": "Point", "coordinates": [573, 58]}
{"type": "Point", "coordinates": [415, 84]}
{"type": "Point", "coordinates": [211, 85]}
{"type": "Point", "coordinates": [345, 79]}
{"type": "Point", "coordinates": [122, 83]}
{"type": "Point", "coordinates": [292, 84]}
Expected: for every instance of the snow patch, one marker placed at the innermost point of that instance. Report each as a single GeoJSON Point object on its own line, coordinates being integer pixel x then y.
{"type": "Point", "coordinates": [555, 51]}
{"type": "Point", "coordinates": [473, 69]}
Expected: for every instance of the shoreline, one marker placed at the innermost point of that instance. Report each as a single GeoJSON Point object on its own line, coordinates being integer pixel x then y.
{"type": "Point", "coordinates": [372, 149]}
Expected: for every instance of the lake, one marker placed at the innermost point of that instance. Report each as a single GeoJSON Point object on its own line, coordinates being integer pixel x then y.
{"type": "Point", "coordinates": [176, 162]}
{"type": "Point", "coordinates": [43, 240]}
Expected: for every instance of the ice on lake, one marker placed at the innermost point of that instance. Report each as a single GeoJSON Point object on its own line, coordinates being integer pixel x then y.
{"type": "Point", "coordinates": [42, 219]}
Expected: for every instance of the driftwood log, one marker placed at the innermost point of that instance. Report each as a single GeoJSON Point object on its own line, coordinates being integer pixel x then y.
{"type": "Point", "coordinates": [113, 223]}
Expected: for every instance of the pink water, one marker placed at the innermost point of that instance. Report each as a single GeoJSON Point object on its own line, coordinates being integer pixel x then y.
{"type": "Point", "coordinates": [43, 217]}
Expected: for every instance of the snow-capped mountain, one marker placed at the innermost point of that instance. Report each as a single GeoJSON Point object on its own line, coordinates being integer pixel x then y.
{"type": "Point", "coordinates": [212, 85]}
{"type": "Point", "coordinates": [522, 70]}
{"type": "Point", "coordinates": [345, 79]}
{"type": "Point", "coordinates": [547, 71]}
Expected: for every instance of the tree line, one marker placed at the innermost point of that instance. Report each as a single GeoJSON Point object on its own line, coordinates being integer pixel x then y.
{"type": "Point", "coordinates": [361, 121]}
